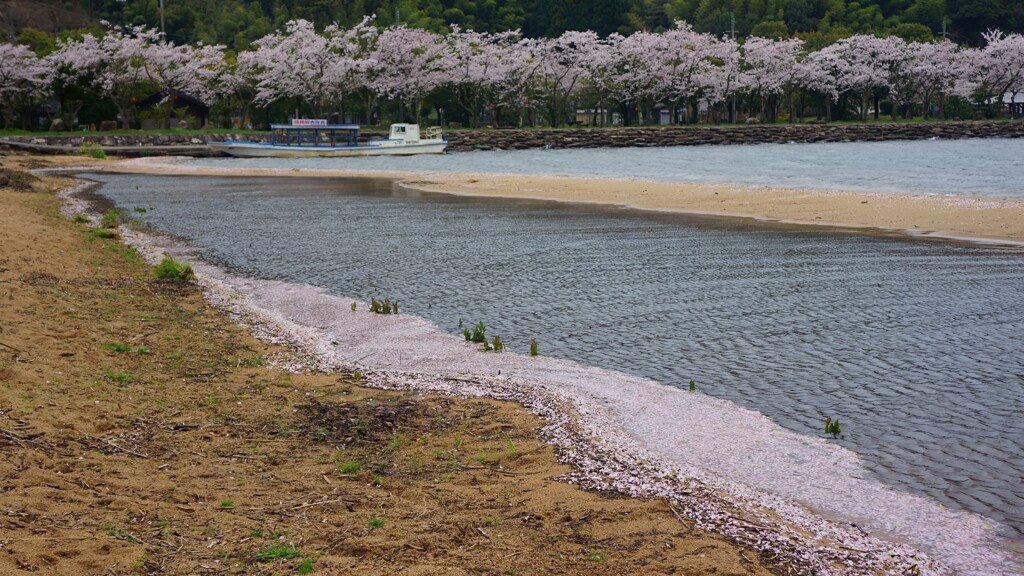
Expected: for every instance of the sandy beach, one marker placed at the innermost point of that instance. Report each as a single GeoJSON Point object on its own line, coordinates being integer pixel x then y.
{"type": "Point", "coordinates": [143, 432]}
{"type": "Point", "coordinates": [996, 221]}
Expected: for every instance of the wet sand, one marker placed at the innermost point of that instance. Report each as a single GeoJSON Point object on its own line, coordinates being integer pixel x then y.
{"type": "Point", "coordinates": [656, 196]}
{"type": "Point", "coordinates": [143, 432]}
{"type": "Point", "coordinates": [997, 221]}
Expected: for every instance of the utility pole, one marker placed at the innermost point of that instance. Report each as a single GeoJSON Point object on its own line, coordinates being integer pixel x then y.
{"type": "Point", "coordinates": [10, 20]}
{"type": "Point", "coordinates": [944, 35]}
{"type": "Point", "coordinates": [732, 27]}
{"type": "Point", "coordinates": [162, 18]}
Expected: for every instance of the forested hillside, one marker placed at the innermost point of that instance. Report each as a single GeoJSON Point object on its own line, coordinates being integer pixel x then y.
{"type": "Point", "coordinates": [235, 23]}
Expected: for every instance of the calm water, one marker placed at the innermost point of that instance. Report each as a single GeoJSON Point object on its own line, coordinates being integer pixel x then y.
{"type": "Point", "coordinates": [983, 167]}
{"type": "Point", "coordinates": [916, 346]}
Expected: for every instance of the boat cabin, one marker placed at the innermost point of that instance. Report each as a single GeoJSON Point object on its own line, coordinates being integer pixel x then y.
{"type": "Point", "coordinates": [306, 132]}
{"type": "Point", "coordinates": [407, 132]}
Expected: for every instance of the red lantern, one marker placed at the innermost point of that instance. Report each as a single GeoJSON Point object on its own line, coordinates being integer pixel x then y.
{"type": "Point", "coordinates": [133, 98]}
{"type": "Point", "coordinates": [636, 109]}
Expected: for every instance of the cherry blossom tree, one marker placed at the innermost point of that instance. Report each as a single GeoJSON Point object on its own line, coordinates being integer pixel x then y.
{"type": "Point", "coordinates": [199, 71]}
{"type": "Point", "coordinates": [686, 63]}
{"type": "Point", "coordinates": [514, 87]}
{"type": "Point", "coordinates": [639, 79]}
{"type": "Point", "coordinates": [290, 64]}
{"type": "Point", "coordinates": [412, 63]}
{"type": "Point", "coordinates": [560, 67]}
{"type": "Point", "coordinates": [23, 78]}
{"type": "Point", "coordinates": [939, 70]}
{"type": "Point", "coordinates": [114, 65]}
{"type": "Point", "coordinates": [770, 70]}
{"type": "Point", "coordinates": [722, 80]}
{"type": "Point", "coordinates": [601, 71]}
{"type": "Point", "coordinates": [998, 68]}
{"type": "Point", "coordinates": [501, 71]}
{"type": "Point", "coordinates": [354, 63]}
{"type": "Point", "coordinates": [857, 65]}
{"type": "Point", "coordinates": [819, 72]}
{"type": "Point", "coordinates": [478, 62]}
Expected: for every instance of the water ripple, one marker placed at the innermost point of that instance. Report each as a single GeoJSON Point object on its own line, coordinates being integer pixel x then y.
{"type": "Point", "coordinates": [917, 347]}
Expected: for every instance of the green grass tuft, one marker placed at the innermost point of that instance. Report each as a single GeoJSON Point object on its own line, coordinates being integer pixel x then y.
{"type": "Point", "coordinates": [92, 149]}
{"type": "Point", "coordinates": [279, 552]}
{"type": "Point", "coordinates": [170, 269]}
{"type": "Point", "coordinates": [111, 218]}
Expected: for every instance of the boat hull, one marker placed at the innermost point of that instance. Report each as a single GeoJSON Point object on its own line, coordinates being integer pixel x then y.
{"type": "Point", "coordinates": [263, 150]}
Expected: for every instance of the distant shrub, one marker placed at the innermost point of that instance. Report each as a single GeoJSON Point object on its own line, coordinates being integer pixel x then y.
{"type": "Point", "coordinates": [170, 269]}
{"type": "Point", "coordinates": [92, 149]}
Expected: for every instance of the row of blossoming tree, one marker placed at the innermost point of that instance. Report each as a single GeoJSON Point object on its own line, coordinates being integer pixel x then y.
{"type": "Point", "coordinates": [487, 76]}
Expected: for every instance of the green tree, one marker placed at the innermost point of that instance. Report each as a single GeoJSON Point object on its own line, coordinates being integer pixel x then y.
{"type": "Point", "coordinates": [771, 29]}
{"type": "Point", "coordinates": [912, 32]}
{"type": "Point", "coordinates": [970, 18]}
{"type": "Point", "coordinates": [930, 13]}
{"type": "Point", "coordinates": [40, 42]}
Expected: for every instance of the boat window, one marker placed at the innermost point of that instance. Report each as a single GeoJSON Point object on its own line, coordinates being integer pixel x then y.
{"type": "Point", "coordinates": [399, 128]}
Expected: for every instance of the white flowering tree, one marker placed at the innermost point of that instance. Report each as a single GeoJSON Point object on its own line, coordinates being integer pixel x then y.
{"type": "Point", "coordinates": [770, 71]}
{"type": "Point", "coordinates": [492, 72]}
{"type": "Point", "coordinates": [24, 78]}
{"type": "Point", "coordinates": [198, 71]}
{"type": "Point", "coordinates": [686, 62]}
{"type": "Point", "coordinates": [601, 71]}
{"type": "Point", "coordinates": [354, 66]}
{"type": "Point", "coordinates": [290, 64]}
{"type": "Point", "coordinates": [997, 70]}
{"type": "Point", "coordinates": [723, 79]}
{"type": "Point", "coordinates": [560, 69]}
{"type": "Point", "coordinates": [115, 65]}
{"type": "Point", "coordinates": [638, 76]}
{"type": "Point", "coordinates": [516, 80]}
{"type": "Point", "coordinates": [411, 64]}
{"type": "Point", "coordinates": [477, 65]}
{"type": "Point", "coordinates": [939, 71]}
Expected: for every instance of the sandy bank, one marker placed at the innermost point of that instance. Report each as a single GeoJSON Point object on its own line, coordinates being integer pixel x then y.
{"type": "Point", "coordinates": [143, 432]}
{"type": "Point", "coordinates": [999, 221]}
{"type": "Point", "coordinates": [431, 180]}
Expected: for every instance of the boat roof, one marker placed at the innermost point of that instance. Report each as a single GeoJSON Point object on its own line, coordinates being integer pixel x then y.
{"type": "Point", "coordinates": [320, 127]}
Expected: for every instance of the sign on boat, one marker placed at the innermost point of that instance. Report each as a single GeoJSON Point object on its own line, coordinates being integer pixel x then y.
{"type": "Point", "coordinates": [315, 137]}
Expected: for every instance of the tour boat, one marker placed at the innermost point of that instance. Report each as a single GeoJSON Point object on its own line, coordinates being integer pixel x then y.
{"type": "Point", "coordinates": [310, 138]}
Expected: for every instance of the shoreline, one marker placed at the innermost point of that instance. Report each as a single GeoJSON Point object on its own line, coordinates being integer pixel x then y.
{"type": "Point", "coordinates": [996, 222]}
{"type": "Point", "coordinates": [269, 295]}
{"type": "Point", "coordinates": [587, 435]}
{"type": "Point", "coordinates": [593, 476]}
{"type": "Point", "coordinates": [143, 431]}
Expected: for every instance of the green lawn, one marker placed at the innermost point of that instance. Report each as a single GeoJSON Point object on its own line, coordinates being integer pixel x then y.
{"type": "Point", "coordinates": [131, 132]}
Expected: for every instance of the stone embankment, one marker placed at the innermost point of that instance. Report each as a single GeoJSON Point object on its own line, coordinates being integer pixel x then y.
{"type": "Point", "coordinates": [518, 139]}
{"type": "Point", "coordinates": [505, 139]}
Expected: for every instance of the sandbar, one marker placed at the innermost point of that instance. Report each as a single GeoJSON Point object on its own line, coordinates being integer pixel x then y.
{"type": "Point", "coordinates": [997, 221]}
